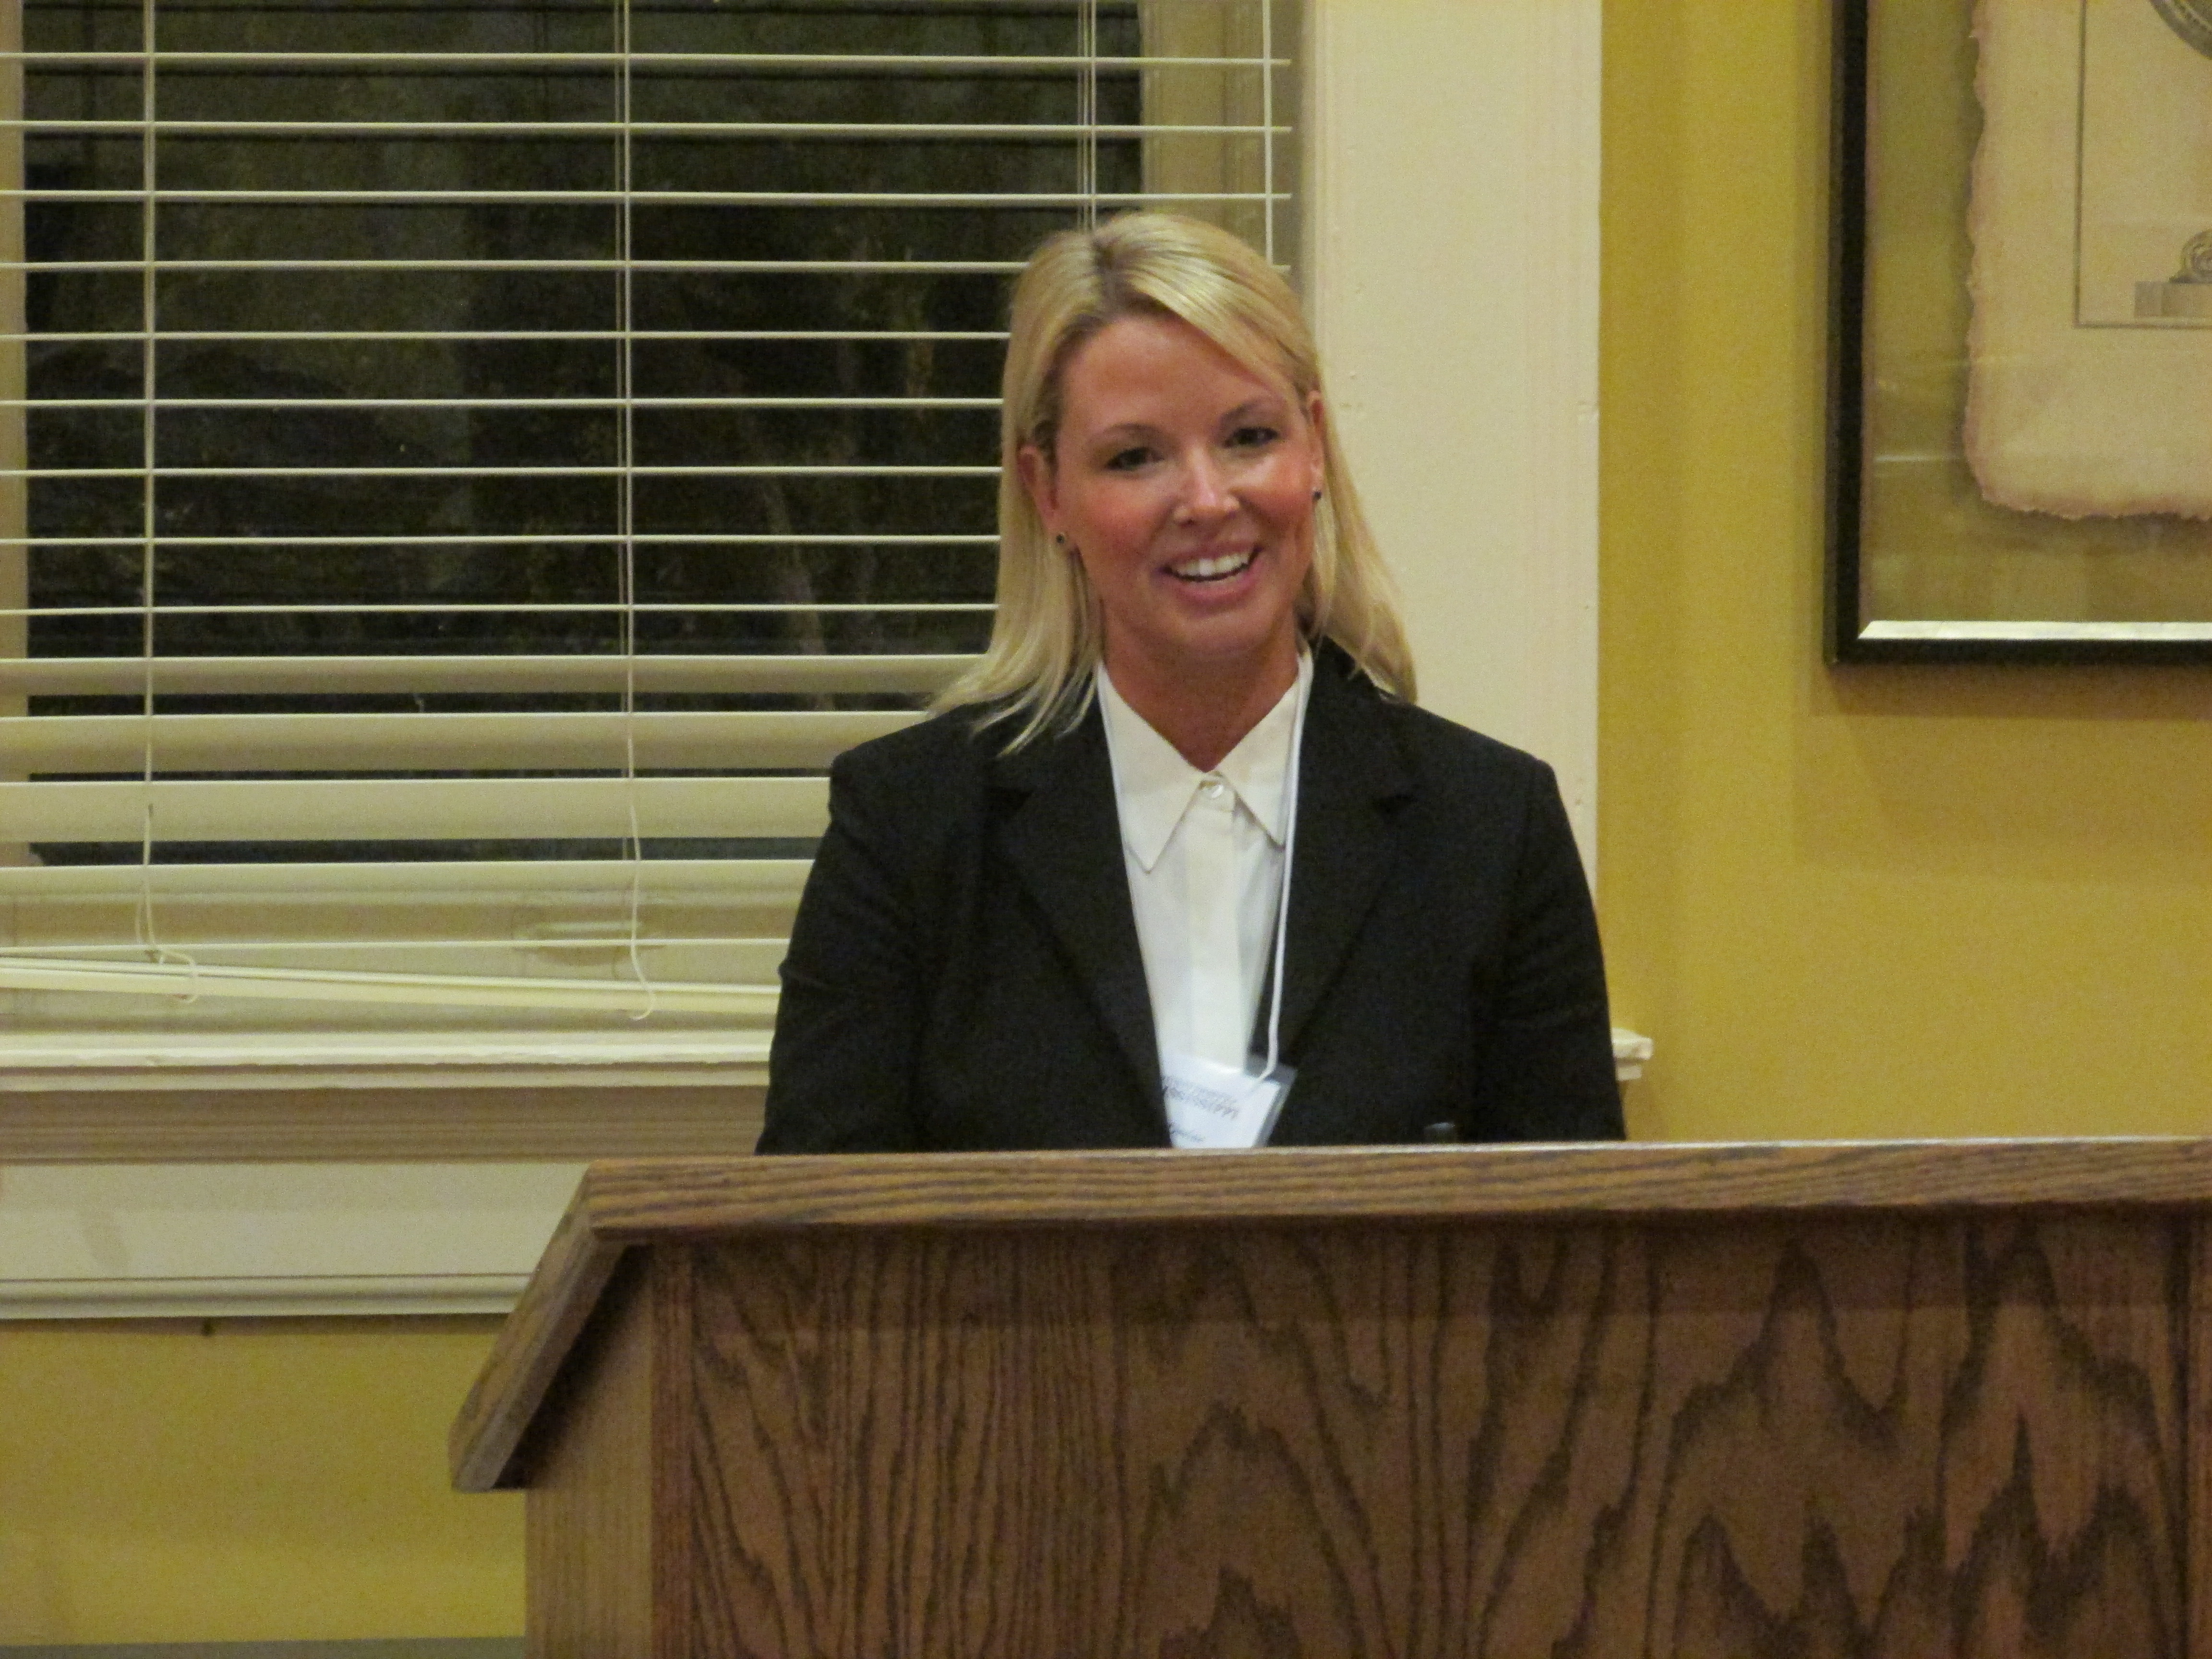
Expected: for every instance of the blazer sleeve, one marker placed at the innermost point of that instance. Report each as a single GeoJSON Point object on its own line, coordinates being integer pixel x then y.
{"type": "Point", "coordinates": [848, 1031]}
{"type": "Point", "coordinates": [1547, 1071]}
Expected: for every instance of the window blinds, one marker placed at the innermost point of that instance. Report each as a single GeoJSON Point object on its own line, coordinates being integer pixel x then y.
{"type": "Point", "coordinates": [469, 467]}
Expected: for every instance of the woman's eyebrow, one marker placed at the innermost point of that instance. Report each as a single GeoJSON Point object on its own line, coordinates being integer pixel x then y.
{"type": "Point", "coordinates": [1267, 404]}
{"type": "Point", "coordinates": [1125, 429]}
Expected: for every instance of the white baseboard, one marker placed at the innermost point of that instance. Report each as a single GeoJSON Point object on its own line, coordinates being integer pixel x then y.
{"type": "Point", "coordinates": [232, 1240]}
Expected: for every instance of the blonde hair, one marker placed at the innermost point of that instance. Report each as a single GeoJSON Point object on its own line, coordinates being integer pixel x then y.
{"type": "Point", "coordinates": [1049, 633]}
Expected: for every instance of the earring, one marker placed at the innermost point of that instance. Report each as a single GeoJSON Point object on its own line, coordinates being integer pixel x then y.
{"type": "Point", "coordinates": [1316, 495]}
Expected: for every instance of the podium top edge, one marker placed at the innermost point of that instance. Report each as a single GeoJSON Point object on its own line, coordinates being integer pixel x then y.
{"type": "Point", "coordinates": [637, 1202]}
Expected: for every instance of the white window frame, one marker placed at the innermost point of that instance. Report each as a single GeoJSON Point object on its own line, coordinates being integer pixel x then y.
{"type": "Point", "coordinates": [1451, 263]}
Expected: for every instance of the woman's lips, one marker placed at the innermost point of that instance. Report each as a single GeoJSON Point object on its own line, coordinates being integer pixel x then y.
{"type": "Point", "coordinates": [1213, 568]}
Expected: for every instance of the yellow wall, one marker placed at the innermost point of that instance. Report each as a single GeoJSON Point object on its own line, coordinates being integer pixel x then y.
{"type": "Point", "coordinates": [271, 1481]}
{"type": "Point", "coordinates": [1866, 901]}
{"type": "Point", "coordinates": [1879, 902]}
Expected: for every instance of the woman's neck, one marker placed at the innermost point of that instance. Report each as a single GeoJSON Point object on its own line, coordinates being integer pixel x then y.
{"type": "Point", "coordinates": [1205, 711]}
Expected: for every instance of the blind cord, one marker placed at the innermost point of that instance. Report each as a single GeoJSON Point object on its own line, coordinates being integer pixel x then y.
{"type": "Point", "coordinates": [1267, 126]}
{"type": "Point", "coordinates": [145, 926]}
{"type": "Point", "coordinates": [626, 443]}
{"type": "Point", "coordinates": [1086, 113]}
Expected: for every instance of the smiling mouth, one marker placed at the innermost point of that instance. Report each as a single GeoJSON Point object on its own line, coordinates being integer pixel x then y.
{"type": "Point", "coordinates": [1212, 570]}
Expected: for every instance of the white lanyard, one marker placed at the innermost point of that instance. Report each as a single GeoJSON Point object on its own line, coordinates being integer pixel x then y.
{"type": "Point", "coordinates": [1283, 895]}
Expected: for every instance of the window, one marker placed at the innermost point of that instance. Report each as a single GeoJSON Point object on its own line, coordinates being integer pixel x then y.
{"type": "Point", "coordinates": [473, 464]}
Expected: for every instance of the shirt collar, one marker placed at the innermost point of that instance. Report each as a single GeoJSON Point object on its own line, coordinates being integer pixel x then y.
{"type": "Point", "coordinates": [1154, 784]}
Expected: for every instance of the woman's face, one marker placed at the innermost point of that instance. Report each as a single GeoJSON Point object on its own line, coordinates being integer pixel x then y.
{"type": "Point", "coordinates": [1186, 484]}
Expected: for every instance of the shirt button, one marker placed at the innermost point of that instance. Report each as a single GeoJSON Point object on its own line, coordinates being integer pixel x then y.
{"type": "Point", "coordinates": [1214, 788]}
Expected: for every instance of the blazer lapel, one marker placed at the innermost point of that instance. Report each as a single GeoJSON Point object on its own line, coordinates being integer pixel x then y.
{"type": "Point", "coordinates": [1065, 842]}
{"type": "Point", "coordinates": [1349, 770]}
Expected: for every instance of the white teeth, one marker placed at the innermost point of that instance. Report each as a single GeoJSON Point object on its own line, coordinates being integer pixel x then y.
{"type": "Point", "coordinates": [1207, 570]}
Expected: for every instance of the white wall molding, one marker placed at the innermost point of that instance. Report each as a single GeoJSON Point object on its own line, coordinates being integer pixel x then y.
{"type": "Point", "coordinates": [263, 1296]}
{"type": "Point", "coordinates": [225, 1240]}
{"type": "Point", "coordinates": [1452, 270]}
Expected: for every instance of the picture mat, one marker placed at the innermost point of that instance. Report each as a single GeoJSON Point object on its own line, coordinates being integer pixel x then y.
{"type": "Point", "coordinates": [2093, 171]}
{"type": "Point", "coordinates": [2146, 160]}
{"type": "Point", "coordinates": [1932, 547]}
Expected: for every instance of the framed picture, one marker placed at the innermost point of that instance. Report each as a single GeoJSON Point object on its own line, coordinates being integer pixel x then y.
{"type": "Point", "coordinates": [2020, 376]}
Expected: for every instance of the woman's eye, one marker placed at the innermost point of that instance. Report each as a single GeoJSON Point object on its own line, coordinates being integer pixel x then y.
{"type": "Point", "coordinates": [1128, 461]}
{"type": "Point", "coordinates": [1253, 437]}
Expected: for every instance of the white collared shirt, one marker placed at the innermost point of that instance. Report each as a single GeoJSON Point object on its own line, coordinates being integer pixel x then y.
{"type": "Point", "coordinates": [1204, 851]}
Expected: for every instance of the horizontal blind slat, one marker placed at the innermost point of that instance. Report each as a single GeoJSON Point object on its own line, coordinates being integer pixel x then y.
{"type": "Point", "coordinates": [614, 935]}
{"type": "Point", "coordinates": [205, 676]}
{"type": "Point", "coordinates": [475, 336]}
{"type": "Point", "coordinates": [756, 1003]}
{"type": "Point", "coordinates": [161, 404]}
{"type": "Point", "coordinates": [603, 538]}
{"type": "Point", "coordinates": [466, 608]}
{"type": "Point", "coordinates": [432, 743]}
{"type": "Point", "coordinates": [563, 470]}
{"type": "Point", "coordinates": [412, 809]}
{"type": "Point", "coordinates": [862, 130]}
{"type": "Point", "coordinates": [893, 63]}
{"type": "Point", "coordinates": [765, 881]}
{"type": "Point", "coordinates": [515, 266]}
{"type": "Point", "coordinates": [689, 199]}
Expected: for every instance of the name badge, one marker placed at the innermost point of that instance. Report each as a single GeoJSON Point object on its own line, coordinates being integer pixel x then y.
{"type": "Point", "coordinates": [1217, 1107]}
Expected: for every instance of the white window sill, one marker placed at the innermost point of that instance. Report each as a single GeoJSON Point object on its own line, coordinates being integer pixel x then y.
{"type": "Point", "coordinates": [422, 1060]}
{"type": "Point", "coordinates": [399, 1060]}
{"type": "Point", "coordinates": [228, 1240]}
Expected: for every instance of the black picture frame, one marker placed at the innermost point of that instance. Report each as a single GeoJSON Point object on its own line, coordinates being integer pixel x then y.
{"type": "Point", "coordinates": [1852, 632]}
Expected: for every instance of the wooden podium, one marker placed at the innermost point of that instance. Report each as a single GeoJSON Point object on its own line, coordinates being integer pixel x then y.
{"type": "Point", "coordinates": [1866, 1399]}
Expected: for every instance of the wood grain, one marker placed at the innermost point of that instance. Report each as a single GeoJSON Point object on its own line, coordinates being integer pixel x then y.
{"type": "Point", "coordinates": [667, 1198]}
{"type": "Point", "coordinates": [1864, 1436]}
{"type": "Point", "coordinates": [534, 1344]}
{"type": "Point", "coordinates": [590, 1529]}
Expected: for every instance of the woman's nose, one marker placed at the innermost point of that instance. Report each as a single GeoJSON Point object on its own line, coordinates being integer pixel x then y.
{"type": "Point", "coordinates": [1205, 491]}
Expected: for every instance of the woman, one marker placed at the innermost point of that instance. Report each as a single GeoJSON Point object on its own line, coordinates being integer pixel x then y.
{"type": "Point", "coordinates": [1179, 852]}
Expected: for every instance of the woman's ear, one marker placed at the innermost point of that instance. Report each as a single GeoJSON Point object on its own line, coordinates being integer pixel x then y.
{"type": "Point", "coordinates": [1037, 479]}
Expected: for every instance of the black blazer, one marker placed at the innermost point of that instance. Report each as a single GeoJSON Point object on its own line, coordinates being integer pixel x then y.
{"type": "Point", "coordinates": [964, 970]}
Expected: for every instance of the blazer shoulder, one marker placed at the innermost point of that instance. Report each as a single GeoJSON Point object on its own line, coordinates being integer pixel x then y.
{"type": "Point", "coordinates": [1441, 750]}
{"type": "Point", "coordinates": [953, 745]}
{"type": "Point", "coordinates": [1361, 712]}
